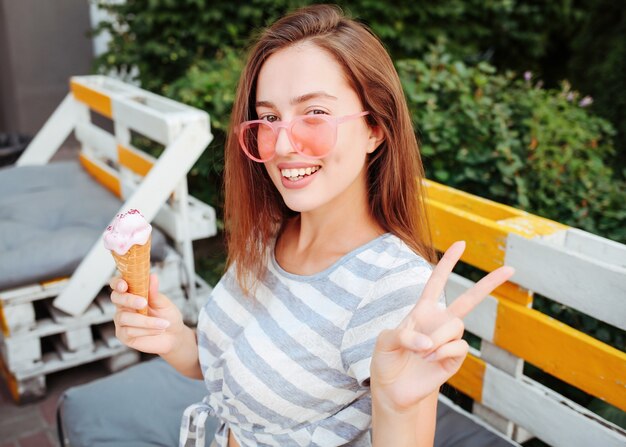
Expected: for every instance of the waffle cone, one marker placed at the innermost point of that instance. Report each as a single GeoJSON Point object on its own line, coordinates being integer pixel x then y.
{"type": "Point", "coordinates": [135, 269]}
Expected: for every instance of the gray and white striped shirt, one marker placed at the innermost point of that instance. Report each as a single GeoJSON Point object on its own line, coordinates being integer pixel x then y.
{"type": "Point", "coordinates": [291, 366]}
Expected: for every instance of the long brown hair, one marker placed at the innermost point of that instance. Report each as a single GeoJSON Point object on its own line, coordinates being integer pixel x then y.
{"type": "Point", "coordinates": [254, 209]}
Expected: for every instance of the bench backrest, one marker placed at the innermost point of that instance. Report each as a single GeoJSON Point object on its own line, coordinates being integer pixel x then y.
{"type": "Point", "coordinates": [572, 267]}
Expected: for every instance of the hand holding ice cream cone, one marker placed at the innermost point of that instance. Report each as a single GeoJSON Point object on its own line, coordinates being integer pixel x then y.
{"type": "Point", "coordinates": [128, 238]}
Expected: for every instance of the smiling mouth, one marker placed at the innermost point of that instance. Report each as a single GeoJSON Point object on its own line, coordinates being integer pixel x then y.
{"type": "Point", "coordinates": [298, 174]}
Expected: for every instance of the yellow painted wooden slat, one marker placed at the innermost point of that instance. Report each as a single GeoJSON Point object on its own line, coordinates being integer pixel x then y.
{"type": "Point", "coordinates": [485, 240]}
{"type": "Point", "coordinates": [511, 218]}
{"type": "Point", "coordinates": [469, 379]}
{"type": "Point", "coordinates": [484, 224]}
{"type": "Point", "coordinates": [109, 181]}
{"type": "Point", "coordinates": [533, 225]}
{"type": "Point", "coordinates": [562, 351]}
{"type": "Point", "coordinates": [135, 162]}
{"type": "Point", "coordinates": [96, 101]}
{"type": "Point", "coordinates": [3, 322]}
{"type": "Point", "coordinates": [469, 202]}
{"type": "Point", "coordinates": [10, 380]}
{"type": "Point", "coordinates": [513, 292]}
{"type": "Point", "coordinates": [51, 282]}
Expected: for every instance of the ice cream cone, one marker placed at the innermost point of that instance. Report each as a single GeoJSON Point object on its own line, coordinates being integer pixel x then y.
{"type": "Point", "coordinates": [134, 266]}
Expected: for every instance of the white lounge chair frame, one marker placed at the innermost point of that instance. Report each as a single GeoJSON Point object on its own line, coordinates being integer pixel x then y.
{"type": "Point", "coordinates": [144, 182]}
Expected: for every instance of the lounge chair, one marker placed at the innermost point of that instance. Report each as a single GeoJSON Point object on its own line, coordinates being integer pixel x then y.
{"type": "Point", "coordinates": [53, 266]}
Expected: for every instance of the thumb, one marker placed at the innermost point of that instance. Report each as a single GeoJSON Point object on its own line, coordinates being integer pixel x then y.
{"type": "Point", "coordinates": [156, 300]}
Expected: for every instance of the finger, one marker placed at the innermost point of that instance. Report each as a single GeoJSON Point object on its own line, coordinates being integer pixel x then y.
{"type": "Point", "coordinates": [446, 333]}
{"type": "Point", "coordinates": [126, 333]}
{"type": "Point", "coordinates": [128, 300]}
{"type": "Point", "coordinates": [118, 284]}
{"type": "Point", "coordinates": [133, 319]}
{"type": "Point", "coordinates": [150, 344]}
{"type": "Point", "coordinates": [402, 338]}
{"type": "Point", "coordinates": [472, 297]}
{"type": "Point", "coordinates": [157, 300]}
{"type": "Point", "coordinates": [437, 281]}
{"type": "Point", "coordinates": [457, 349]}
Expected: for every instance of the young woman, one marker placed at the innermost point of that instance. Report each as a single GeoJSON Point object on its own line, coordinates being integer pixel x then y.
{"type": "Point", "coordinates": [330, 319]}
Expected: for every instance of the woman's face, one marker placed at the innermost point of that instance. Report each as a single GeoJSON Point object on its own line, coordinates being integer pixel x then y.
{"type": "Point", "coordinates": [305, 80]}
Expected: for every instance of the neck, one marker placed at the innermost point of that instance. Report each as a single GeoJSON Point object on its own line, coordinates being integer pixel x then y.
{"type": "Point", "coordinates": [342, 224]}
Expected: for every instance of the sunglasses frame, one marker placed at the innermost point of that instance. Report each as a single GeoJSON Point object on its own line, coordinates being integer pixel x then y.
{"type": "Point", "coordinates": [288, 125]}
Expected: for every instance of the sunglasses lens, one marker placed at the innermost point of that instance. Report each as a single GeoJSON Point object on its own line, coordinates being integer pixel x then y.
{"type": "Point", "coordinates": [258, 141]}
{"type": "Point", "coordinates": [314, 136]}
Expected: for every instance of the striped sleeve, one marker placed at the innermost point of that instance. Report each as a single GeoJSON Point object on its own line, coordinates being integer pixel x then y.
{"type": "Point", "coordinates": [391, 299]}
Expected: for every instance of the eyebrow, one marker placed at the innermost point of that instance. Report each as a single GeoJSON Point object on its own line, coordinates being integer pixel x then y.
{"type": "Point", "coordinates": [298, 99]}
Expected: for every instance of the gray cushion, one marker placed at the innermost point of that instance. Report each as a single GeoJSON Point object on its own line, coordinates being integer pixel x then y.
{"type": "Point", "coordinates": [140, 406]}
{"type": "Point", "coordinates": [50, 217]}
{"type": "Point", "coordinates": [143, 406]}
{"type": "Point", "coordinates": [456, 428]}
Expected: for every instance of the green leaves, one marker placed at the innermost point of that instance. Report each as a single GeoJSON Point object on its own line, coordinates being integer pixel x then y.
{"type": "Point", "coordinates": [501, 137]}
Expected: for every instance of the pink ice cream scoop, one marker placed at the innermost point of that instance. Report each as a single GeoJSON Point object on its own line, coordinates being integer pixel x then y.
{"type": "Point", "coordinates": [126, 230]}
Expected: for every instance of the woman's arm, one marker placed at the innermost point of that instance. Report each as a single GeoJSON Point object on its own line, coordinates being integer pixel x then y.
{"type": "Point", "coordinates": [412, 361]}
{"type": "Point", "coordinates": [413, 428]}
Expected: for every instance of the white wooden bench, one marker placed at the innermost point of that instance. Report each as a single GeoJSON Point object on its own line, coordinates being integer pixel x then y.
{"type": "Point", "coordinates": [570, 266]}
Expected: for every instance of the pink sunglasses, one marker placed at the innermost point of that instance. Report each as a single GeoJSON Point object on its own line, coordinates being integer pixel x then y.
{"type": "Point", "coordinates": [312, 136]}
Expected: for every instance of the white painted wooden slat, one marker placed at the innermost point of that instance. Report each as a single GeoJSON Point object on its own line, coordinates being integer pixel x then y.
{"type": "Point", "coordinates": [20, 352]}
{"type": "Point", "coordinates": [511, 365]}
{"type": "Point", "coordinates": [78, 339]}
{"type": "Point", "coordinates": [52, 134]}
{"type": "Point", "coordinates": [106, 305]}
{"type": "Point", "coordinates": [93, 311]}
{"type": "Point", "coordinates": [106, 333]}
{"type": "Point", "coordinates": [122, 360]}
{"type": "Point", "coordinates": [100, 141]}
{"type": "Point", "coordinates": [115, 88]}
{"type": "Point", "coordinates": [27, 294]}
{"type": "Point", "coordinates": [551, 417]}
{"type": "Point", "coordinates": [148, 122]}
{"type": "Point", "coordinates": [495, 420]}
{"type": "Point", "coordinates": [184, 244]}
{"type": "Point", "coordinates": [501, 359]}
{"type": "Point", "coordinates": [482, 320]}
{"type": "Point", "coordinates": [19, 318]}
{"type": "Point", "coordinates": [202, 220]}
{"type": "Point", "coordinates": [596, 247]}
{"type": "Point", "coordinates": [47, 326]}
{"type": "Point", "coordinates": [53, 363]}
{"type": "Point", "coordinates": [589, 285]}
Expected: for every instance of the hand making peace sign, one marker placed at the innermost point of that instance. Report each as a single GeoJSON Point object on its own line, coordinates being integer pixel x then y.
{"type": "Point", "coordinates": [425, 350]}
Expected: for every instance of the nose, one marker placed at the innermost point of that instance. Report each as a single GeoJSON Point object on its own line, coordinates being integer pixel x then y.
{"type": "Point", "coordinates": [283, 145]}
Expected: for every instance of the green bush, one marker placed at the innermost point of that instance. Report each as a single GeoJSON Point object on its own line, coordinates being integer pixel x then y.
{"type": "Point", "coordinates": [598, 64]}
{"type": "Point", "coordinates": [163, 38]}
{"type": "Point", "coordinates": [210, 85]}
{"type": "Point", "coordinates": [509, 140]}
{"type": "Point", "coordinates": [582, 40]}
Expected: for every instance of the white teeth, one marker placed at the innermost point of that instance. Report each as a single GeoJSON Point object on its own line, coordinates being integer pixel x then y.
{"type": "Point", "coordinates": [296, 174]}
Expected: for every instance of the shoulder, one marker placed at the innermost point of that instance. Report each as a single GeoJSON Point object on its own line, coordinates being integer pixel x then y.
{"type": "Point", "coordinates": [393, 259]}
